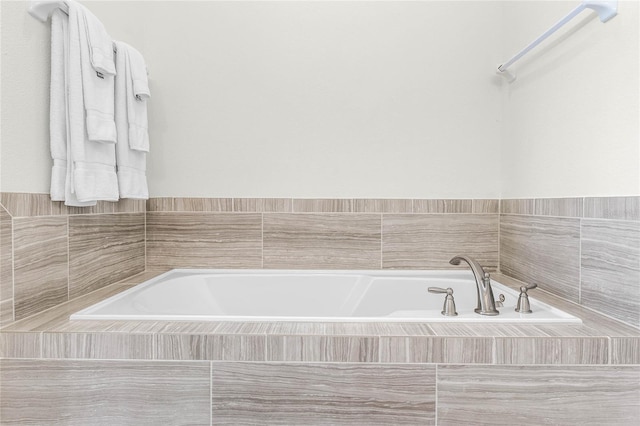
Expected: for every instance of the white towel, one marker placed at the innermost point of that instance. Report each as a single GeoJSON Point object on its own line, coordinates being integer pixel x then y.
{"type": "Point", "coordinates": [91, 173]}
{"type": "Point", "coordinates": [137, 94]}
{"type": "Point", "coordinates": [132, 179]}
{"type": "Point", "coordinates": [97, 83]}
{"type": "Point", "coordinates": [58, 113]}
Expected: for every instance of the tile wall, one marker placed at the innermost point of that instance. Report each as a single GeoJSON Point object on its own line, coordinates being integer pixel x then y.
{"type": "Point", "coordinates": [586, 250]}
{"type": "Point", "coordinates": [50, 253]}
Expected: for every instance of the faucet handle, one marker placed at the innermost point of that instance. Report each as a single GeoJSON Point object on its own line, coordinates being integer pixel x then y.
{"type": "Point", "coordinates": [523, 305]}
{"type": "Point", "coordinates": [449, 307]}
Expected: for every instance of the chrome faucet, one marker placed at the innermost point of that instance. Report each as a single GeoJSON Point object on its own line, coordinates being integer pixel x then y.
{"type": "Point", "coordinates": [486, 302]}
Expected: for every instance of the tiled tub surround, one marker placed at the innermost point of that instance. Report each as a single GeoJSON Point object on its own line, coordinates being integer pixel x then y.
{"type": "Point", "coordinates": [50, 253]}
{"type": "Point", "coordinates": [586, 250]}
{"type": "Point", "coordinates": [324, 373]}
{"type": "Point", "coordinates": [57, 371]}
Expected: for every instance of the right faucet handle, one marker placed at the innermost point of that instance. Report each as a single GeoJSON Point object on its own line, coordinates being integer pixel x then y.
{"type": "Point", "coordinates": [523, 305]}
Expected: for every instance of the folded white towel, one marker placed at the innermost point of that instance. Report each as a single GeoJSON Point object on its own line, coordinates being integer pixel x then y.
{"type": "Point", "coordinates": [97, 85]}
{"type": "Point", "coordinates": [132, 179]}
{"type": "Point", "coordinates": [100, 45]}
{"type": "Point", "coordinates": [91, 173]}
{"type": "Point", "coordinates": [58, 123]}
{"type": "Point", "coordinates": [137, 93]}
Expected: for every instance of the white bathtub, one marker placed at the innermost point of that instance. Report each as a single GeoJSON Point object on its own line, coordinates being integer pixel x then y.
{"type": "Point", "coordinates": [327, 296]}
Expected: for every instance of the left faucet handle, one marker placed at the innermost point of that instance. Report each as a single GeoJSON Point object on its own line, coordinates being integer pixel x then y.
{"type": "Point", "coordinates": [449, 307]}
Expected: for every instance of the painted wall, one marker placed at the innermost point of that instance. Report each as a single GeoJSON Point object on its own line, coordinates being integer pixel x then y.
{"type": "Point", "coordinates": [355, 99]}
{"type": "Point", "coordinates": [571, 120]}
{"type": "Point", "coordinates": [300, 99]}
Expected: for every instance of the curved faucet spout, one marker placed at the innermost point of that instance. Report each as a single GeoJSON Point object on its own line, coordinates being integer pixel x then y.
{"type": "Point", "coordinates": [486, 302]}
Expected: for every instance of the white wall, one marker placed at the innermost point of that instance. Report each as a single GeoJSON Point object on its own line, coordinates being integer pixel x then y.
{"type": "Point", "coordinates": [354, 99]}
{"type": "Point", "coordinates": [303, 99]}
{"type": "Point", "coordinates": [572, 116]}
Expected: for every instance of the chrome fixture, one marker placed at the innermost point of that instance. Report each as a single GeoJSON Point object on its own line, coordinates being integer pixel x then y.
{"type": "Point", "coordinates": [523, 305]}
{"type": "Point", "coordinates": [500, 301]}
{"type": "Point", "coordinates": [449, 307]}
{"type": "Point", "coordinates": [486, 303]}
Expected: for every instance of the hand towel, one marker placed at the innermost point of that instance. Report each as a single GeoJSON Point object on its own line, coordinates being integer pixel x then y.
{"type": "Point", "coordinates": [97, 83]}
{"type": "Point", "coordinates": [91, 173]}
{"type": "Point", "coordinates": [58, 113]}
{"type": "Point", "coordinates": [137, 94]}
{"type": "Point", "coordinates": [132, 179]}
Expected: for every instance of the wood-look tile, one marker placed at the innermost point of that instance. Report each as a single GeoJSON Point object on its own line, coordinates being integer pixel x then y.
{"type": "Point", "coordinates": [442, 206]}
{"type": "Point", "coordinates": [321, 241]}
{"type": "Point", "coordinates": [568, 207]}
{"type": "Point", "coordinates": [6, 256]}
{"type": "Point", "coordinates": [537, 395]}
{"type": "Point", "coordinates": [430, 241]}
{"type": "Point", "coordinates": [28, 204]}
{"type": "Point", "coordinates": [487, 330]}
{"type": "Point", "coordinates": [486, 206]}
{"type": "Point", "coordinates": [322, 348]}
{"type": "Point", "coordinates": [40, 264]}
{"type": "Point", "coordinates": [142, 277]}
{"type": "Point", "coordinates": [6, 312]}
{"type": "Point", "coordinates": [104, 249]}
{"type": "Point", "coordinates": [291, 328]}
{"type": "Point", "coordinates": [436, 349]}
{"type": "Point", "coordinates": [56, 318]}
{"type": "Point", "coordinates": [544, 250]}
{"type": "Point", "coordinates": [203, 204]}
{"type": "Point", "coordinates": [625, 350]}
{"type": "Point", "coordinates": [20, 345]}
{"type": "Point", "coordinates": [52, 392]}
{"type": "Point", "coordinates": [305, 394]}
{"type": "Point", "coordinates": [382, 206]}
{"type": "Point", "coordinates": [610, 260]}
{"type": "Point", "coordinates": [262, 205]}
{"type": "Point", "coordinates": [621, 208]}
{"type": "Point", "coordinates": [160, 204]}
{"type": "Point", "coordinates": [97, 345]}
{"type": "Point", "coordinates": [551, 350]}
{"type": "Point", "coordinates": [210, 347]}
{"type": "Point", "coordinates": [517, 206]}
{"type": "Point", "coordinates": [338, 205]}
{"type": "Point", "coordinates": [200, 240]}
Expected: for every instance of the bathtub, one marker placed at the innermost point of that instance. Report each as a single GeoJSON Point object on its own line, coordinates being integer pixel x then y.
{"type": "Point", "coordinates": [325, 296]}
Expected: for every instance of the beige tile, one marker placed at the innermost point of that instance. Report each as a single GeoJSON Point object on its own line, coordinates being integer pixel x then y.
{"type": "Point", "coordinates": [625, 350]}
{"type": "Point", "coordinates": [210, 347]}
{"type": "Point", "coordinates": [200, 240]}
{"type": "Point", "coordinates": [487, 330]}
{"type": "Point", "coordinates": [520, 206]}
{"type": "Point", "coordinates": [568, 207]}
{"type": "Point", "coordinates": [537, 395]}
{"type": "Point", "coordinates": [40, 264]}
{"type": "Point", "coordinates": [322, 348]}
{"type": "Point", "coordinates": [6, 312]}
{"type": "Point", "coordinates": [54, 319]}
{"type": "Point", "coordinates": [610, 260]}
{"type": "Point", "coordinates": [338, 205]}
{"type": "Point", "coordinates": [544, 250]}
{"type": "Point", "coordinates": [203, 204]}
{"type": "Point", "coordinates": [6, 256]}
{"type": "Point", "coordinates": [161, 204]}
{"type": "Point", "coordinates": [430, 241]}
{"type": "Point", "coordinates": [104, 249]}
{"type": "Point", "coordinates": [436, 349]}
{"type": "Point", "coordinates": [382, 206]}
{"type": "Point", "coordinates": [52, 392]}
{"type": "Point", "coordinates": [291, 328]}
{"type": "Point", "coordinates": [97, 345]}
{"type": "Point", "coordinates": [322, 241]}
{"type": "Point", "coordinates": [549, 350]}
{"type": "Point", "coordinates": [621, 208]}
{"type": "Point", "coordinates": [442, 206]}
{"type": "Point", "coordinates": [20, 345]}
{"type": "Point", "coordinates": [260, 205]}
{"type": "Point", "coordinates": [486, 206]}
{"type": "Point", "coordinates": [305, 394]}
{"type": "Point", "coordinates": [28, 204]}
